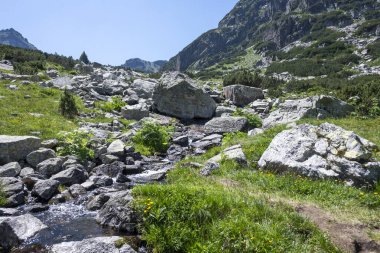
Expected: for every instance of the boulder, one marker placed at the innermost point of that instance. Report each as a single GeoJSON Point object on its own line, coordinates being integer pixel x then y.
{"type": "Point", "coordinates": [149, 176]}
{"type": "Point", "coordinates": [14, 230]}
{"type": "Point", "coordinates": [242, 95]}
{"type": "Point", "coordinates": [16, 148]}
{"type": "Point", "coordinates": [226, 125]}
{"type": "Point", "coordinates": [224, 110]}
{"type": "Point", "coordinates": [75, 174]}
{"type": "Point", "coordinates": [325, 151]}
{"type": "Point", "coordinates": [50, 166]}
{"type": "Point", "coordinates": [27, 171]}
{"type": "Point", "coordinates": [116, 148]}
{"type": "Point", "coordinates": [110, 170]}
{"type": "Point", "coordinates": [13, 190]}
{"type": "Point", "coordinates": [312, 107]}
{"type": "Point", "coordinates": [118, 213]}
{"type": "Point", "coordinates": [98, 245]}
{"type": "Point", "coordinates": [143, 88]}
{"type": "Point", "coordinates": [135, 112]}
{"type": "Point", "coordinates": [97, 202]}
{"type": "Point", "coordinates": [177, 95]}
{"type": "Point", "coordinates": [39, 156]}
{"type": "Point", "coordinates": [45, 189]}
{"type": "Point", "coordinates": [77, 190]}
{"type": "Point", "coordinates": [12, 169]}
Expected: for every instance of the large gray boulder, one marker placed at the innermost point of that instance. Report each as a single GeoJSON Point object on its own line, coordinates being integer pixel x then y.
{"type": "Point", "coordinates": [143, 88]}
{"type": "Point", "coordinates": [45, 189]}
{"type": "Point", "coordinates": [14, 230]}
{"type": "Point", "coordinates": [16, 148]}
{"type": "Point", "coordinates": [14, 191]}
{"type": "Point", "coordinates": [242, 95]}
{"type": "Point", "coordinates": [177, 95]}
{"type": "Point", "coordinates": [12, 169]}
{"type": "Point", "coordinates": [312, 107]}
{"type": "Point", "coordinates": [98, 245]}
{"type": "Point", "coordinates": [226, 125]}
{"type": "Point", "coordinates": [40, 155]}
{"type": "Point", "coordinates": [135, 112]}
{"type": "Point", "coordinates": [327, 151]}
{"type": "Point", "coordinates": [118, 213]}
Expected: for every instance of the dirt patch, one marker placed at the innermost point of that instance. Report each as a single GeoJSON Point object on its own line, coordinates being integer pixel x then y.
{"type": "Point", "coordinates": [348, 237]}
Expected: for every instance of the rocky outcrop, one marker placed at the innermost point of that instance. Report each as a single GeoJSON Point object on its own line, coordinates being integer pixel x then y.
{"type": "Point", "coordinates": [18, 229]}
{"type": "Point", "coordinates": [98, 244]}
{"type": "Point", "coordinates": [226, 125]}
{"type": "Point", "coordinates": [327, 151]}
{"type": "Point", "coordinates": [16, 148]}
{"type": "Point", "coordinates": [242, 95]}
{"type": "Point", "coordinates": [178, 96]}
{"type": "Point", "coordinates": [312, 107]}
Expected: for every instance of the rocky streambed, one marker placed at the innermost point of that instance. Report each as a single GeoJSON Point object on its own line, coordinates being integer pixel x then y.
{"type": "Point", "coordinates": [64, 204]}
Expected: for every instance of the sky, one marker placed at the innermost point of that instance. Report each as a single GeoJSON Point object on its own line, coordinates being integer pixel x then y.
{"type": "Point", "coordinates": [112, 31]}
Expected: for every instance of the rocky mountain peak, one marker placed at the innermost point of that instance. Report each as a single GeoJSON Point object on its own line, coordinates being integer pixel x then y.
{"type": "Point", "coordinates": [13, 38]}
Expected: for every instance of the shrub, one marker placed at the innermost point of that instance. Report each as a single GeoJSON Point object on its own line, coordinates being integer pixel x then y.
{"type": "Point", "coordinates": [243, 77]}
{"type": "Point", "coordinates": [152, 138]}
{"type": "Point", "coordinates": [254, 121]}
{"type": "Point", "coordinates": [115, 104]}
{"type": "Point", "coordinates": [67, 105]}
{"type": "Point", "coordinates": [75, 143]}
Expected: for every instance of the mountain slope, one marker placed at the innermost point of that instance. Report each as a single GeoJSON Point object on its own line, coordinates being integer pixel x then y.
{"type": "Point", "coordinates": [144, 66]}
{"type": "Point", "coordinates": [13, 38]}
{"type": "Point", "coordinates": [269, 25]}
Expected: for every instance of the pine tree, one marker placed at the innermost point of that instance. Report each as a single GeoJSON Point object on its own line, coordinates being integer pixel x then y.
{"type": "Point", "coordinates": [67, 105]}
{"type": "Point", "coordinates": [83, 58]}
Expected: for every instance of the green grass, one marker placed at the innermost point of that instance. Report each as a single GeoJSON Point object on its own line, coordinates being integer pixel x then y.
{"type": "Point", "coordinates": [43, 101]}
{"type": "Point", "coordinates": [3, 199]}
{"type": "Point", "coordinates": [242, 209]}
{"type": "Point", "coordinates": [194, 214]}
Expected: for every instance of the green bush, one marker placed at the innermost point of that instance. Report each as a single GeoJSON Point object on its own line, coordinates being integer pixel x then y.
{"type": "Point", "coordinates": [368, 27]}
{"type": "Point", "coordinates": [67, 105]}
{"type": "Point", "coordinates": [115, 104]}
{"type": "Point", "coordinates": [254, 121]}
{"type": "Point", "coordinates": [75, 143]}
{"type": "Point", "coordinates": [243, 77]}
{"type": "Point", "coordinates": [152, 138]}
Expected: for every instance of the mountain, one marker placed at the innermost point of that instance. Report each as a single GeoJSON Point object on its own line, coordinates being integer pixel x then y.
{"type": "Point", "coordinates": [144, 66]}
{"type": "Point", "coordinates": [270, 25]}
{"type": "Point", "coordinates": [13, 38]}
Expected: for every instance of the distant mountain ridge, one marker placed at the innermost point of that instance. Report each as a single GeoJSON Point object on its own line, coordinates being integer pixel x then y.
{"type": "Point", "coordinates": [13, 38]}
{"type": "Point", "coordinates": [269, 25]}
{"type": "Point", "coordinates": [144, 66]}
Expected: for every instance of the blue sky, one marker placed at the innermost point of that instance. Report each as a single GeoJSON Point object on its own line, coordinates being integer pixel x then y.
{"type": "Point", "coordinates": [111, 31]}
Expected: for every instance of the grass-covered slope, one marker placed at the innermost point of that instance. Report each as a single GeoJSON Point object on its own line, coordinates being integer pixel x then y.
{"type": "Point", "coordinates": [240, 209]}
{"type": "Point", "coordinates": [21, 115]}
